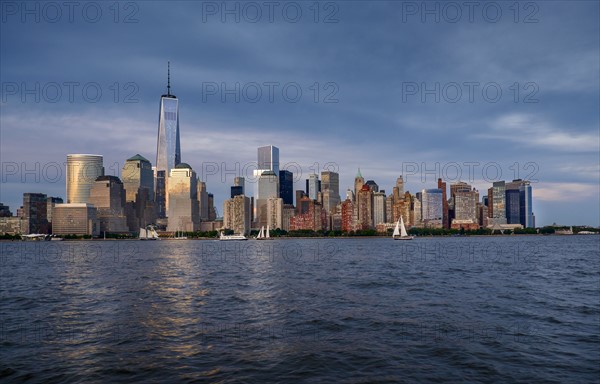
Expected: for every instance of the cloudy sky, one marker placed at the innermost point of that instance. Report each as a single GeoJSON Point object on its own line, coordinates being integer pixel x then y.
{"type": "Point", "coordinates": [484, 92]}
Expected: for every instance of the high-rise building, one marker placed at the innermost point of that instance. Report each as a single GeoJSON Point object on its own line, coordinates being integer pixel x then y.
{"type": "Point", "coordinates": [268, 187]}
{"type": "Point", "coordinates": [288, 213]}
{"type": "Point", "coordinates": [373, 185]}
{"type": "Point", "coordinates": [364, 208]}
{"type": "Point", "coordinates": [137, 174]}
{"type": "Point", "coordinates": [330, 188]}
{"type": "Point", "coordinates": [445, 213]}
{"type": "Point", "coordinates": [286, 186]}
{"type": "Point", "coordinates": [313, 218]}
{"type": "Point", "coordinates": [35, 219]}
{"type": "Point", "coordinates": [183, 199]}
{"type": "Point", "coordinates": [5, 211]}
{"type": "Point", "coordinates": [379, 201]}
{"type": "Point", "coordinates": [312, 186]}
{"type": "Point", "coordinates": [359, 181]}
{"type": "Point", "coordinates": [527, 219]}
{"type": "Point", "coordinates": [432, 208]}
{"type": "Point", "coordinates": [50, 204]}
{"type": "Point", "coordinates": [465, 209]}
{"type": "Point", "coordinates": [108, 196]}
{"type": "Point", "coordinates": [497, 203]}
{"type": "Point", "coordinates": [236, 191]}
{"type": "Point", "coordinates": [239, 181]}
{"type": "Point", "coordinates": [348, 215]}
{"type": "Point", "coordinates": [202, 201]}
{"type": "Point", "coordinates": [168, 147]}
{"type": "Point", "coordinates": [513, 202]}
{"type": "Point", "coordinates": [82, 172]}
{"type": "Point", "coordinates": [236, 214]}
{"type": "Point", "coordinates": [268, 160]}
{"type": "Point", "coordinates": [275, 212]}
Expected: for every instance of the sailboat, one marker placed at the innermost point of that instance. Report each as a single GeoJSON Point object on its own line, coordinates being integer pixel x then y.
{"type": "Point", "coordinates": [148, 234]}
{"type": "Point", "coordinates": [264, 235]}
{"type": "Point", "coordinates": [400, 231]}
{"type": "Point", "coordinates": [180, 237]}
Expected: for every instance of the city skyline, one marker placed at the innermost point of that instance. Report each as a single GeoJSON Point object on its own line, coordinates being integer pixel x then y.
{"type": "Point", "coordinates": [377, 120]}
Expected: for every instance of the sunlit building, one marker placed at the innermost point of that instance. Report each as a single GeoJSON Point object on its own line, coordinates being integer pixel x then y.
{"type": "Point", "coordinates": [236, 214]}
{"type": "Point", "coordinates": [108, 196]}
{"type": "Point", "coordinates": [82, 172]}
{"type": "Point", "coordinates": [432, 214]}
{"type": "Point", "coordinates": [75, 219]}
{"type": "Point", "coordinates": [183, 199]}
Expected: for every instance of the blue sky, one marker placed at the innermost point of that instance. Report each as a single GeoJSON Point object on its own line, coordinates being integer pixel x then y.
{"type": "Point", "coordinates": [403, 87]}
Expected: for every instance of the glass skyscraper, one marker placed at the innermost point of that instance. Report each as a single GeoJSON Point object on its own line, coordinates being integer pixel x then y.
{"type": "Point", "coordinates": [82, 172]}
{"type": "Point", "coordinates": [526, 210]}
{"type": "Point", "coordinates": [168, 148]}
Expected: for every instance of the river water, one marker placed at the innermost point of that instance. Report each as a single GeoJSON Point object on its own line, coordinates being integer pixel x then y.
{"type": "Point", "coordinates": [486, 309]}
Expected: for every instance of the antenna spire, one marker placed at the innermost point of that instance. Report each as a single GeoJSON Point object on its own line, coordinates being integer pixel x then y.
{"type": "Point", "coordinates": [168, 78]}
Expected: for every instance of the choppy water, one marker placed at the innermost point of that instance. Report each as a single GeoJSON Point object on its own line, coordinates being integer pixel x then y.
{"type": "Point", "coordinates": [343, 310]}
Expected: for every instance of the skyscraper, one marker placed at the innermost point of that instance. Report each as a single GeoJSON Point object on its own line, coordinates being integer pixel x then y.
{"type": "Point", "coordinates": [168, 149]}
{"type": "Point", "coordinates": [82, 172]}
{"type": "Point", "coordinates": [432, 208]}
{"type": "Point", "coordinates": [286, 186]}
{"type": "Point", "coordinates": [497, 203]}
{"type": "Point", "coordinates": [268, 160]}
{"type": "Point", "coordinates": [108, 196]}
{"type": "Point", "coordinates": [183, 199]}
{"type": "Point", "coordinates": [359, 181]}
{"type": "Point", "coordinates": [312, 186]}
{"type": "Point", "coordinates": [35, 219]}
{"type": "Point", "coordinates": [138, 182]}
{"type": "Point", "coordinates": [526, 210]}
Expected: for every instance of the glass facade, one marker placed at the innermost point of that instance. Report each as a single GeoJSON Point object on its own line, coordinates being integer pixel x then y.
{"type": "Point", "coordinates": [168, 150]}
{"type": "Point", "coordinates": [82, 172]}
{"type": "Point", "coordinates": [432, 208]}
{"type": "Point", "coordinates": [286, 187]}
{"type": "Point", "coordinates": [513, 210]}
{"type": "Point", "coordinates": [526, 209]}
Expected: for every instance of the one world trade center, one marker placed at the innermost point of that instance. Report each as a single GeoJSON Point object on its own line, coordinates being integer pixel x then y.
{"type": "Point", "coordinates": [168, 148]}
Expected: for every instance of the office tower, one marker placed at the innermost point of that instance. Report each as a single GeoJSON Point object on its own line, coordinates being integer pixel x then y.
{"type": "Point", "coordinates": [183, 199]}
{"type": "Point", "coordinates": [513, 203]}
{"type": "Point", "coordinates": [268, 160]}
{"type": "Point", "coordinates": [35, 219]}
{"type": "Point", "coordinates": [75, 219]}
{"type": "Point", "coordinates": [330, 187]}
{"type": "Point", "coordinates": [202, 201]}
{"type": "Point", "coordinates": [527, 219]}
{"type": "Point", "coordinates": [267, 187]}
{"type": "Point", "coordinates": [359, 181]}
{"type": "Point", "coordinates": [168, 148]}
{"type": "Point", "coordinates": [50, 204]}
{"type": "Point", "coordinates": [137, 174]}
{"type": "Point", "coordinates": [138, 182]}
{"type": "Point", "coordinates": [240, 182]}
{"type": "Point", "coordinates": [5, 211]}
{"type": "Point", "coordinates": [275, 212]}
{"type": "Point", "coordinates": [286, 187]}
{"type": "Point", "coordinates": [465, 209]}
{"type": "Point", "coordinates": [399, 187]}
{"type": "Point", "coordinates": [236, 214]}
{"type": "Point", "coordinates": [482, 215]}
{"type": "Point", "coordinates": [236, 191]}
{"type": "Point", "coordinates": [417, 210]}
{"type": "Point", "coordinates": [108, 197]}
{"type": "Point", "coordinates": [484, 200]}
{"type": "Point", "coordinates": [379, 208]}
{"type": "Point", "coordinates": [82, 172]}
{"type": "Point", "coordinates": [364, 207]}
{"type": "Point", "coordinates": [348, 215]}
{"type": "Point", "coordinates": [299, 195]}
{"type": "Point", "coordinates": [312, 186]}
{"type": "Point", "coordinates": [445, 215]}
{"type": "Point", "coordinates": [373, 185]}
{"type": "Point", "coordinates": [350, 194]}
{"type": "Point", "coordinates": [497, 203]}
{"type": "Point", "coordinates": [212, 210]}
{"type": "Point", "coordinates": [286, 217]}
{"type": "Point", "coordinates": [432, 213]}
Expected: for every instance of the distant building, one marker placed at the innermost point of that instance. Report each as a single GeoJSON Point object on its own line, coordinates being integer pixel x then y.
{"type": "Point", "coordinates": [275, 212]}
{"type": "Point", "coordinates": [286, 217]}
{"type": "Point", "coordinates": [445, 208]}
{"type": "Point", "coordinates": [379, 201]}
{"type": "Point", "coordinates": [364, 208]}
{"type": "Point", "coordinates": [359, 181]}
{"type": "Point", "coordinates": [497, 203]}
{"type": "Point", "coordinates": [330, 188]}
{"type": "Point", "coordinates": [203, 207]}
{"type": "Point", "coordinates": [108, 197]}
{"type": "Point", "coordinates": [267, 188]}
{"type": "Point", "coordinates": [11, 225]}
{"type": "Point", "coordinates": [268, 160]}
{"type": "Point", "coordinates": [240, 182]}
{"type": "Point", "coordinates": [183, 199]}
{"type": "Point", "coordinates": [373, 185]}
{"type": "Point", "coordinates": [312, 186]}
{"type": "Point", "coordinates": [82, 172]}
{"type": "Point", "coordinates": [526, 218]}
{"type": "Point", "coordinates": [138, 182]}
{"type": "Point", "coordinates": [5, 211]}
{"type": "Point", "coordinates": [513, 202]}
{"type": "Point", "coordinates": [236, 190]}
{"type": "Point", "coordinates": [75, 219]}
{"type": "Point", "coordinates": [313, 218]}
{"type": "Point", "coordinates": [348, 215]}
{"type": "Point", "coordinates": [432, 214]}
{"type": "Point", "coordinates": [236, 214]}
{"type": "Point", "coordinates": [286, 186]}
{"type": "Point", "coordinates": [35, 219]}
{"type": "Point", "coordinates": [50, 204]}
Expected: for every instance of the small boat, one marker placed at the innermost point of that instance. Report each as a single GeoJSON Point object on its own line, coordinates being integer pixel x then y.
{"type": "Point", "coordinates": [180, 237]}
{"type": "Point", "coordinates": [400, 231]}
{"type": "Point", "coordinates": [232, 237]}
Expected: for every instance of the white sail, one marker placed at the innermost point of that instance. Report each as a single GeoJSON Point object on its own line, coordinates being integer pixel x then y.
{"type": "Point", "coordinates": [396, 229]}
{"type": "Point", "coordinates": [402, 228]}
{"type": "Point", "coordinates": [261, 234]}
{"type": "Point", "coordinates": [143, 233]}
{"type": "Point", "coordinates": [268, 232]}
